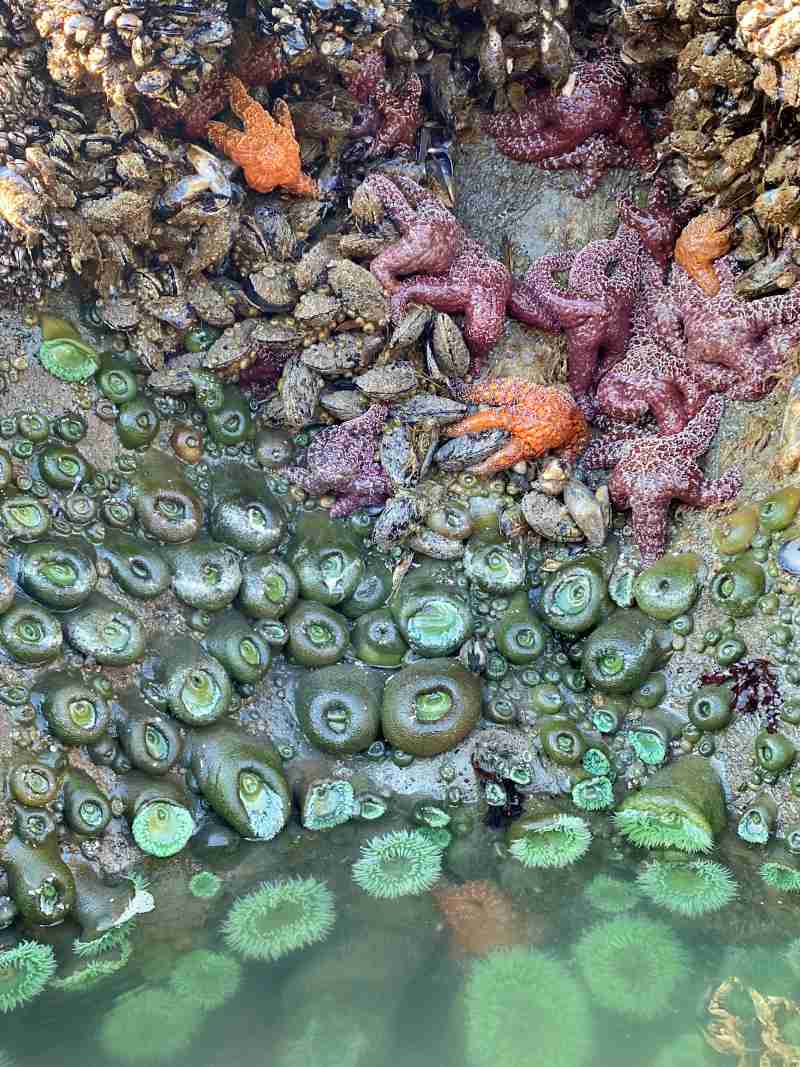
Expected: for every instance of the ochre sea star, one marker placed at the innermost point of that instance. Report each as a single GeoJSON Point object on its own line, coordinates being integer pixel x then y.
{"type": "Point", "coordinates": [593, 123]}
{"type": "Point", "coordinates": [650, 471]}
{"type": "Point", "coordinates": [341, 460]}
{"type": "Point", "coordinates": [452, 272]}
{"type": "Point", "coordinates": [704, 239]}
{"type": "Point", "coordinates": [266, 149]}
{"type": "Point", "coordinates": [538, 417]}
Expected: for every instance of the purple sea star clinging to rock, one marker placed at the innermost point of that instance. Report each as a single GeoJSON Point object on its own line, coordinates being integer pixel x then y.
{"type": "Point", "coordinates": [593, 123]}
{"type": "Point", "coordinates": [391, 117]}
{"type": "Point", "coordinates": [650, 471]}
{"type": "Point", "coordinates": [655, 377]}
{"type": "Point", "coordinates": [751, 338]}
{"type": "Point", "coordinates": [342, 460]}
{"type": "Point", "coordinates": [605, 280]}
{"type": "Point", "coordinates": [451, 272]}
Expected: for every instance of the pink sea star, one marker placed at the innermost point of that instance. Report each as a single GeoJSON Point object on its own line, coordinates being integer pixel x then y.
{"type": "Point", "coordinates": [593, 123]}
{"type": "Point", "coordinates": [391, 117]}
{"type": "Point", "coordinates": [655, 376]}
{"type": "Point", "coordinates": [342, 460]}
{"type": "Point", "coordinates": [650, 471]}
{"type": "Point", "coordinates": [456, 274]}
{"type": "Point", "coordinates": [751, 338]}
{"type": "Point", "coordinates": [605, 280]}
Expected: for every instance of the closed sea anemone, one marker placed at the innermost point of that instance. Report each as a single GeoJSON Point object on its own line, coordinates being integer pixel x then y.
{"type": "Point", "coordinates": [398, 864]}
{"type": "Point", "coordinates": [632, 966]}
{"type": "Point", "coordinates": [205, 885]}
{"type": "Point", "coordinates": [149, 1026]}
{"type": "Point", "coordinates": [279, 917]}
{"type": "Point", "coordinates": [25, 971]}
{"type": "Point", "coordinates": [689, 889]}
{"type": "Point", "coordinates": [612, 895]}
{"type": "Point", "coordinates": [521, 1000]}
{"type": "Point", "coordinates": [206, 978]}
{"type": "Point", "coordinates": [549, 840]}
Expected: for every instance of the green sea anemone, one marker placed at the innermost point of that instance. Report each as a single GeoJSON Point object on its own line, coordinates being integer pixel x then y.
{"type": "Point", "coordinates": [149, 1026]}
{"type": "Point", "coordinates": [549, 840]}
{"type": "Point", "coordinates": [25, 971]}
{"type": "Point", "coordinates": [519, 1001]}
{"type": "Point", "coordinates": [593, 794]}
{"type": "Point", "coordinates": [781, 877]}
{"type": "Point", "coordinates": [612, 895]}
{"type": "Point", "coordinates": [689, 889]}
{"type": "Point", "coordinates": [96, 970]}
{"type": "Point", "coordinates": [632, 966]}
{"type": "Point", "coordinates": [398, 864]}
{"type": "Point", "coordinates": [68, 359]}
{"type": "Point", "coordinates": [205, 885]}
{"type": "Point", "coordinates": [206, 978]}
{"type": "Point", "coordinates": [682, 806]}
{"type": "Point", "coordinates": [161, 828]}
{"type": "Point", "coordinates": [279, 917]}
{"type": "Point", "coordinates": [688, 1050]}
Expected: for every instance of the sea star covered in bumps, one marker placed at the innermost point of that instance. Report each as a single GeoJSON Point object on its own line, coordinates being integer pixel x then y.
{"type": "Point", "coordinates": [194, 114]}
{"type": "Point", "coordinates": [266, 149]}
{"type": "Point", "coordinates": [650, 471]}
{"type": "Point", "coordinates": [342, 460]}
{"type": "Point", "coordinates": [604, 281]}
{"type": "Point", "coordinates": [593, 123]}
{"type": "Point", "coordinates": [480, 919]}
{"type": "Point", "coordinates": [538, 417]}
{"type": "Point", "coordinates": [751, 338]}
{"type": "Point", "coordinates": [452, 272]}
{"type": "Point", "coordinates": [655, 376]}
{"type": "Point", "coordinates": [704, 239]}
{"type": "Point", "coordinates": [391, 117]}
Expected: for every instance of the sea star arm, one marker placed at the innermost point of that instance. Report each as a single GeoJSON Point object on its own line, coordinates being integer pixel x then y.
{"type": "Point", "coordinates": [701, 492]}
{"type": "Point", "coordinates": [525, 302]}
{"type": "Point", "coordinates": [394, 203]}
{"type": "Point", "coordinates": [283, 116]}
{"type": "Point", "coordinates": [501, 460]}
{"type": "Point", "coordinates": [255, 118]}
{"type": "Point", "coordinates": [224, 138]}
{"type": "Point", "coordinates": [649, 518]}
{"type": "Point", "coordinates": [604, 453]}
{"type": "Point", "coordinates": [594, 156]}
{"type": "Point", "coordinates": [496, 419]}
{"type": "Point", "coordinates": [435, 290]}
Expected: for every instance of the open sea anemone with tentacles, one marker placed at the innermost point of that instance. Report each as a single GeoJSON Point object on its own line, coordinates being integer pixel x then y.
{"type": "Point", "coordinates": [279, 918]}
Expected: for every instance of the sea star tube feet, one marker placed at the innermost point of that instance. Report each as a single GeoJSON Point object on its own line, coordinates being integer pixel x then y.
{"type": "Point", "coordinates": [651, 471]}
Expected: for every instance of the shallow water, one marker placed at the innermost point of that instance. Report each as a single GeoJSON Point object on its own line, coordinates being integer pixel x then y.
{"type": "Point", "coordinates": [388, 984]}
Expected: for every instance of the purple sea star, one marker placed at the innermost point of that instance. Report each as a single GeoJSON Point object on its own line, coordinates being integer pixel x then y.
{"type": "Point", "coordinates": [342, 460]}
{"type": "Point", "coordinates": [655, 377]}
{"type": "Point", "coordinates": [594, 123]}
{"type": "Point", "coordinates": [605, 281]}
{"type": "Point", "coordinates": [751, 338]}
{"type": "Point", "coordinates": [456, 274]}
{"type": "Point", "coordinates": [650, 471]}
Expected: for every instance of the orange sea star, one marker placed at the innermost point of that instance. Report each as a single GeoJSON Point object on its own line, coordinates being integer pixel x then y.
{"type": "Point", "coordinates": [704, 239]}
{"type": "Point", "coordinates": [480, 919]}
{"type": "Point", "coordinates": [538, 417]}
{"type": "Point", "coordinates": [266, 149]}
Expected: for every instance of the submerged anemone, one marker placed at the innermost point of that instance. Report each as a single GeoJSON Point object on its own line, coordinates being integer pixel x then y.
{"type": "Point", "coordinates": [206, 978]}
{"type": "Point", "coordinates": [549, 841]}
{"type": "Point", "coordinates": [205, 885]}
{"type": "Point", "coordinates": [520, 1000]}
{"type": "Point", "coordinates": [149, 1026]}
{"type": "Point", "coordinates": [398, 864]}
{"type": "Point", "coordinates": [632, 966]}
{"type": "Point", "coordinates": [118, 950]}
{"type": "Point", "coordinates": [279, 918]}
{"type": "Point", "coordinates": [25, 971]}
{"type": "Point", "coordinates": [612, 895]}
{"type": "Point", "coordinates": [784, 877]}
{"type": "Point", "coordinates": [689, 889]}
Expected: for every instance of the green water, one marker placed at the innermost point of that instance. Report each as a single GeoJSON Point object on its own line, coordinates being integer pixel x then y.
{"type": "Point", "coordinates": [390, 986]}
